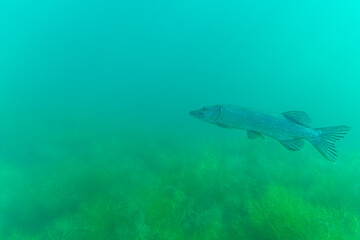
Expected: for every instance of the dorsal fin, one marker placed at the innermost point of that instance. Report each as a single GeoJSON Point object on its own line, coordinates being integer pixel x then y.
{"type": "Point", "coordinates": [299, 117]}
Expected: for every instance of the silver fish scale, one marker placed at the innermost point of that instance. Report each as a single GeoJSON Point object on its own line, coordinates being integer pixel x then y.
{"type": "Point", "coordinates": [273, 125]}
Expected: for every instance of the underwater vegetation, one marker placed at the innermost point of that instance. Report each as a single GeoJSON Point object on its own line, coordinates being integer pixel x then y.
{"type": "Point", "coordinates": [86, 186]}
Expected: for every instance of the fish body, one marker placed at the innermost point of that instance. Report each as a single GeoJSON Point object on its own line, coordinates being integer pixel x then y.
{"type": "Point", "coordinates": [289, 128]}
{"type": "Point", "coordinates": [272, 125]}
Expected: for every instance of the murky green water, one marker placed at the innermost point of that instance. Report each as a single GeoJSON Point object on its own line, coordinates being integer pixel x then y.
{"type": "Point", "coordinates": [95, 137]}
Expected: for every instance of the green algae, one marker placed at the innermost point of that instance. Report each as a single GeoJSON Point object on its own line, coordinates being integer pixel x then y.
{"type": "Point", "coordinates": [137, 189]}
{"type": "Point", "coordinates": [282, 214]}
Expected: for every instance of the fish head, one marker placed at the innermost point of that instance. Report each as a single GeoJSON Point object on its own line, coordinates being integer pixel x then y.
{"type": "Point", "coordinates": [207, 114]}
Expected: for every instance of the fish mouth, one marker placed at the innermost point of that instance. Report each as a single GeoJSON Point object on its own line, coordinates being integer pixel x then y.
{"type": "Point", "coordinates": [195, 114]}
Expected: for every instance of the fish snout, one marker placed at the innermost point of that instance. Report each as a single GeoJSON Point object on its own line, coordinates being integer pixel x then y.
{"type": "Point", "coordinates": [196, 114]}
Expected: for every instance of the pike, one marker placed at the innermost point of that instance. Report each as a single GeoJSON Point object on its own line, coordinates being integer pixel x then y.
{"type": "Point", "coordinates": [289, 128]}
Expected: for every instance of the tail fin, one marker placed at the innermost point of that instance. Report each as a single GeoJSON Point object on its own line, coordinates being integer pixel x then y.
{"type": "Point", "coordinates": [325, 143]}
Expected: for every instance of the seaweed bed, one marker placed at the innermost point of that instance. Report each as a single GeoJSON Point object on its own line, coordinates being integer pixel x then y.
{"type": "Point", "coordinates": [91, 186]}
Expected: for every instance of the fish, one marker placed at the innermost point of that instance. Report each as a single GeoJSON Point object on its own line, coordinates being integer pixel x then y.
{"type": "Point", "coordinates": [290, 128]}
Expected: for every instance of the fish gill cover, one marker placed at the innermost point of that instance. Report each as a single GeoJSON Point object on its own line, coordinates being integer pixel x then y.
{"type": "Point", "coordinates": [95, 137]}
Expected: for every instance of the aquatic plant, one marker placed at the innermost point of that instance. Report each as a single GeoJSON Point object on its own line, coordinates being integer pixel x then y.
{"type": "Point", "coordinates": [282, 214]}
{"type": "Point", "coordinates": [213, 190]}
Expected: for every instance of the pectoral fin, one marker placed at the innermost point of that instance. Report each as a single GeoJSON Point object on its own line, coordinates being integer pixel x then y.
{"type": "Point", "coordinates": [254, 135]}
{"type": "Point", "coordinates": [293, 144]}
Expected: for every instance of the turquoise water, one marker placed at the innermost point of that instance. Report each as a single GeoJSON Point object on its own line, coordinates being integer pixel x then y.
{"type": "Point", "coordinates": [96, 141]}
